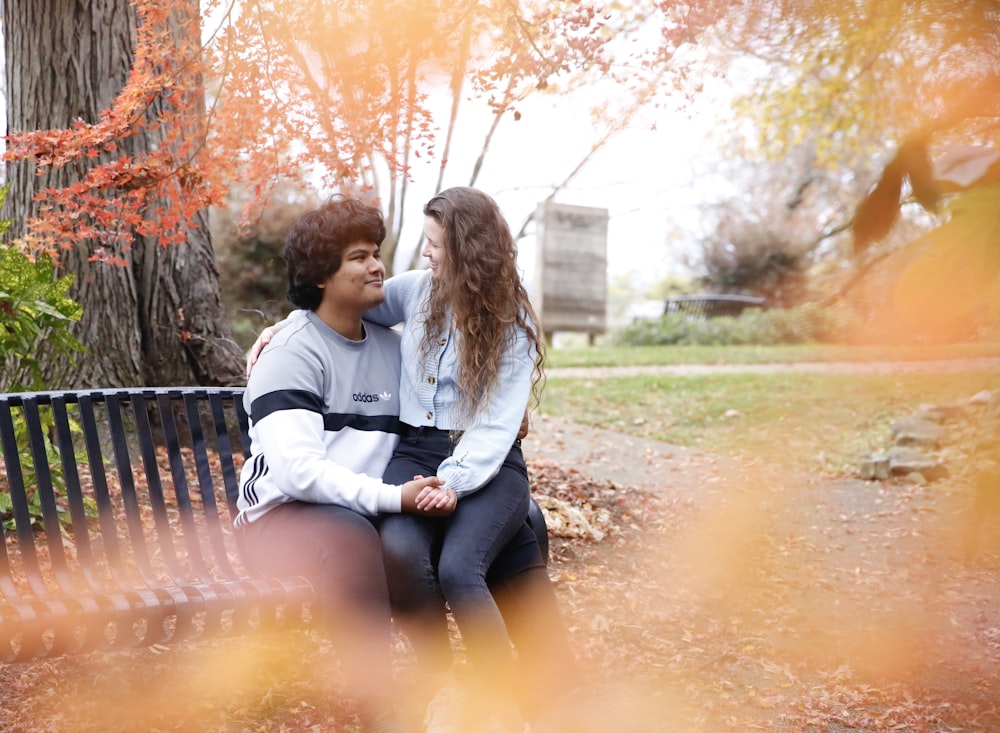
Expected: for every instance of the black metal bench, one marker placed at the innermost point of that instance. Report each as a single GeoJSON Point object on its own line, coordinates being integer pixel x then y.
{"type": "Point", "coordinates": [118, 508]}
{"type": "Point", "coordinates": [711, 306]}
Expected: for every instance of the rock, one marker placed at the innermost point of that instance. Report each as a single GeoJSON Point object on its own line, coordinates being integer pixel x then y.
{"type": "Point", "coordinates": [986, 397]}
{"type": "Point", "coordinates": [972, 434]}
{"type": "Point", "coordinates": [903, 461]}
{"type": "Point", "coordinates": [939, 413]}
{"type": "Point", "coordinates": [874, 466]}
{"type": "Point", "coordinates": [917, 432]}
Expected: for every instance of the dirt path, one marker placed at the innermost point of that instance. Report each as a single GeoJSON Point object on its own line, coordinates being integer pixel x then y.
{"type": "Point", "coordinates": [611, 456]}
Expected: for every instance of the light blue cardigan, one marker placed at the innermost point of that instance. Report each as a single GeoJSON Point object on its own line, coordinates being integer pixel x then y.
{"type": "Point", "coordinates": [428, 393]}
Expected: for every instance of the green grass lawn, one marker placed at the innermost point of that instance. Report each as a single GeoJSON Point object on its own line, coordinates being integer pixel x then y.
{"type": "Point", "coordinates": [811, 421]}
{"type": "Point", "coordinates": [647, 355]}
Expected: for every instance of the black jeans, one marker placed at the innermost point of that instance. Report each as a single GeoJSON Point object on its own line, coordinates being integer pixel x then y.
{"type": "Point", "coordinates": [430, 560]}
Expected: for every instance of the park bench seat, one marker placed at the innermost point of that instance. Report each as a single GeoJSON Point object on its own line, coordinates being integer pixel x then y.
{"type": "Point", "coordinates": [701, 307]}
{"type": "Point", "coordinates": [118, 507]}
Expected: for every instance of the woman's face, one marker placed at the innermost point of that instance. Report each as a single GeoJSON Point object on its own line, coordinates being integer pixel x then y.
{"type": "Point", "coordinates": [434, 246]}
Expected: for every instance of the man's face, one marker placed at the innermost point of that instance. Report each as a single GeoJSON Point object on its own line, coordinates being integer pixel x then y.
{"type": "Point", "coordinates": [357, 285]}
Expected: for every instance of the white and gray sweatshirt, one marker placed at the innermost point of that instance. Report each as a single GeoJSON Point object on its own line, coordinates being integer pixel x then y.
{"type": "Point", "coordinates": [324, 420]}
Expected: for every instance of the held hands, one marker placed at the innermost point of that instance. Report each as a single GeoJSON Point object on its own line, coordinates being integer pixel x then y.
{"type": "Point", "coordinates": [258, 346]}
{"type": "Point", "coordinates": [429, 497]}
{"type": "Point", "coordinates": [437, 502]}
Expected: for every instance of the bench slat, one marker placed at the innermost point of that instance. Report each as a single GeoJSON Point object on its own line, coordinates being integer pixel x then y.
{"type": "Point", "coordinates": [109, 547]}
{"type": "Point", "coordinates": [45, 493]}
{"type": "Point", "coordinates": [230, 478]}
{"type": "Point", "coordinates": [137, 544]}
{"type": "Point", "coordinates": [74, 491]}
{"type": "Point", "coordinates": [22, 516]}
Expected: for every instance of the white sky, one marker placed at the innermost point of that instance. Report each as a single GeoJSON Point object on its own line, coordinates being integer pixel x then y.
{"type": "Point", "coordinates": [648, 180]}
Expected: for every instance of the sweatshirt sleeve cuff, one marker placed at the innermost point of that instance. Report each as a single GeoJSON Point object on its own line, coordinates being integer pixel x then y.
{"type": "Point", "coordinates": [390, 498]}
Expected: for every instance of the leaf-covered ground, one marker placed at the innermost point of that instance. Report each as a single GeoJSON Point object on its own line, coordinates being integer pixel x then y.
{"type": "Point", "coordinates": [837, 607]}
{"type": "Point", "coordinates": [726, 597]}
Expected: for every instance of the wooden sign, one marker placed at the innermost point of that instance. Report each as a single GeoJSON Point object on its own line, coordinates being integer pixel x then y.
{"type": "Point", "coordinates": [571, 284]}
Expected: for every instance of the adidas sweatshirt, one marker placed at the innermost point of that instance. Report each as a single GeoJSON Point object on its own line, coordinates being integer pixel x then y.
{"type": "Point", "coordinates": [323, 420]}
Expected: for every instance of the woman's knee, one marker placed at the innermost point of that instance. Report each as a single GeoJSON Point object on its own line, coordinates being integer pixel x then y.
{"type": "Point", "coordinates": [458, 571]}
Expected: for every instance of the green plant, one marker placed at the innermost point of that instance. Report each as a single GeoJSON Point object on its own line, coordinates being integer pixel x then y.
{"type": "Point", "coordinates": [35, 309]}
{"type": "Point", "coordinates": [35, 315]}
{"type": "Point", "coordinates": [802, 324]}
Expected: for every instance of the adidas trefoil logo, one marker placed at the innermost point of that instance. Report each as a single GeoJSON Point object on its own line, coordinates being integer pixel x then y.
{"type": "Point", "coordinates": [384, 396]}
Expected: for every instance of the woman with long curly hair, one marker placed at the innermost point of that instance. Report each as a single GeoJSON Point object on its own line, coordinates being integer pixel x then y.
{"type": "Point", "coordinates": [472, 354]}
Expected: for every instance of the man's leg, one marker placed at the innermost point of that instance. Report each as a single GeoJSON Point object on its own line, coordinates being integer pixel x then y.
{"type": "Point", "coordinates": [339, 551]}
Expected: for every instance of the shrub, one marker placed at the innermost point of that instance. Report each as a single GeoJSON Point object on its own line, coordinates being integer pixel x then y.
{"type": "Point", "coordinates": [803, 324]}
{"type": "Point", "coordinates": [35, 315]}
{"type": "Point", "coordinates": [252, 273]}
{"type": "Point", "coordinates": [35, 310]}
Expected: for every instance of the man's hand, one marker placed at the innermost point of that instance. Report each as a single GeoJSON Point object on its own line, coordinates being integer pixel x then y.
{"type": "Point", "coordinates": [258, 346]}
{"type": "Point", "coordinates": [428, 497]}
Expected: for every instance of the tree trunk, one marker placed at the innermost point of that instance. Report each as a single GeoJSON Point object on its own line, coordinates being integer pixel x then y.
{"type": "Point", "coordinates": [159, 319]}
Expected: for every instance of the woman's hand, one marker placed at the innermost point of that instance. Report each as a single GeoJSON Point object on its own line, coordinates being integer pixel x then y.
{"type": "Point", "coordinates": [437, 501]}
{"type": "Point", "coordinates": [258, 346]}
{"type": "Point", "coordinates": [428, 497]}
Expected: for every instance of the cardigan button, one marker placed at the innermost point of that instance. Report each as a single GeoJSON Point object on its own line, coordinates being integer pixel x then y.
{"type": "Point", "coordinates": [430, 415]}
{"type": "Point", "coordinates": [431, 380]}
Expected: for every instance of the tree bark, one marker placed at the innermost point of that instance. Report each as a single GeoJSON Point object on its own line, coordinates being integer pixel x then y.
{"type": "Point", "coordinates": [159, 319]}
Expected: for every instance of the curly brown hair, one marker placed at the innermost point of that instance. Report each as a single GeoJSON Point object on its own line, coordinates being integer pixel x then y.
{"type": "Point", "coordinates": [315, 242]}
{"type": "Point", "coordinates": [482, 291]}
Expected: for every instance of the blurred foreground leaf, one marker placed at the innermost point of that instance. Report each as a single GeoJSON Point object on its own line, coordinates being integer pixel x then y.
{"type": "Point", "coordinates": [956, 277]}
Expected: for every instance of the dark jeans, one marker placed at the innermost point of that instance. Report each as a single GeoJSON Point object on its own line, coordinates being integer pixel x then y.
{"type": "Point", "coordinates": [339, 551]}
{"type": "Point", "coordinates": [429, 560]}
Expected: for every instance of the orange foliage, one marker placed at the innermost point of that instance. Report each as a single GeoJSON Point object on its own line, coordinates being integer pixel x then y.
{"type": "Point", "coordinates": [110, 199]}
{"type": "Point", "coordinates": [280, 88]}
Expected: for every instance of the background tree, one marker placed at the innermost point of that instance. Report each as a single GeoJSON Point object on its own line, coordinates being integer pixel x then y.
{"type": "Point", "coordinates": [876, 91]}
{"type": "Point", "coordinates": [252, 272]}
{"type": "Point", "coordinates": [775, 221]}
{"type": "Point", "coordinates": [105, 175]}
{"type": "Point", "coordinates": [352, 94]}
{"type": "Point", "coordinates": [114, 158]}
{"type": "Point", "coordinates": [365, 89]}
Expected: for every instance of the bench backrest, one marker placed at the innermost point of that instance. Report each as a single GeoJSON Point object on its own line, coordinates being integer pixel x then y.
{"type": "Point", "coordinates": [701, 307]}
{"type": "Point", "coordinates": [120, 498]}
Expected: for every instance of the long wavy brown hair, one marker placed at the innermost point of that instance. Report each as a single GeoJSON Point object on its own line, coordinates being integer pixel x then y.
{"type": "Point", "coordinates": [480, 287]}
